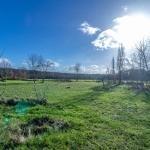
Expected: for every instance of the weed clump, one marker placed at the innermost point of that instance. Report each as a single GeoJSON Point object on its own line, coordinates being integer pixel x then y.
{"type": "Point", "coordinates": [33, 102]}
{"type": "Point", "coordinates": [11, 102]}
{"type": "Point", "coordinates": [16, 134]}
{"type": "Point", "coordinates": [56, 123]}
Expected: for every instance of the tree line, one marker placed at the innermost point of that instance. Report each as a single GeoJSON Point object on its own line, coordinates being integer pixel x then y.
{"type": "Point", "coordinates": [137, 67]}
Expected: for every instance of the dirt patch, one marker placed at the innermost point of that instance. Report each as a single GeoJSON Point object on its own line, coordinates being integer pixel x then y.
{"type": "Point", "coordinates": [39, 121]}
{"type": "Point", "coordinates": [41, 125]}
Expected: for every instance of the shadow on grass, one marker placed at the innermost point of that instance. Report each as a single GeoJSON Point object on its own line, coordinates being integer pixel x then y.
{"type": "Point", "coordinates": [107, 87]}
{"type": "Point", "coordinates": [145, 93]}
{"type": "Point", "coordinates": [94, 96]}
{"type": "Point", "coordinates": [83, 99]}
{"type": "Point", "coordinates": [146, 98]}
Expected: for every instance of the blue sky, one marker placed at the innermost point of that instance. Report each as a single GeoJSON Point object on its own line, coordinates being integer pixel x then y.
{"type": "Point", "coordinates": [66, 31]}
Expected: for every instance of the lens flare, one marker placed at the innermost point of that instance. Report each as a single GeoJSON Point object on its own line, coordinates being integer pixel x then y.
{"type": "Point", "coordinates": [22, 107]}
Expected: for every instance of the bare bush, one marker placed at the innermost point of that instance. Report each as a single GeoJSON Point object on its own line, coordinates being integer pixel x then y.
{"type": "Point", "coordinates": [35, 62]}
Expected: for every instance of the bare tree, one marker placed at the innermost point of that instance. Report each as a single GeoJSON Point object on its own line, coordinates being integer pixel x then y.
{"type": "Point", "coordinates": [141, 58]}
{"type": "Point", "coordinates": [140, 66]}
{"type": "Point", "coordinates": [142, 54]}
{"type": "Point", "coordinates": [113, 69]}
{"type": "Point", "coordinates": [120, 61]}
{"type": "Point", "coordinates": [77, 69]}
{"type": "Point", "coordinates": [108, 75]}
{"type": "Point", "coordinates": [21, 73]}
{"type": "Point", "coordinates": [35, 62]}
{"type": "Point", "coordinates": [48, 65]}
{"type": "Point", "coordinates": [5, 66]}
{"type": "Point", "coordinates": [102, 79]}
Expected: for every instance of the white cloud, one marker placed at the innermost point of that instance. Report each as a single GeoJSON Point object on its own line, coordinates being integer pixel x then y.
{"type": "Point", "coordinates": [83, 69]}
{"type": "Point", "coordinates": [103, 69]}
{"type": "Point", "coordinates": [125, 8]}
{"type": "Point", "coordinates": [106, 39]}
{"type": "Point", "coordinates": [69, 69]}
{"type": "Point", "coordinates": [92, 69]}
{"type": "Point", "coordinates": [5, 60]}
{"type": "Point", "coordinates": [86, 28]}
{"type": "Point", "coordinates": [4, 63]}
{"type": "Point", "coordinates": [94, 66]}
{"type": "Point", "coordinates": [127, 30]}
{"type": "Point", "coordinates": [55, 64]}
{"type": "Point", "coordinates": [24, 63]}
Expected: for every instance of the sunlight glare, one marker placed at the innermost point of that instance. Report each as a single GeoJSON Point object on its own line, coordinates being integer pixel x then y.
{"type": "Point", "coordinates": [131, 29]}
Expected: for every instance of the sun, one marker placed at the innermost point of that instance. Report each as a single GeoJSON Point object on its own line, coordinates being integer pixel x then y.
{"type": "Point", "coordinates": [131, 29]}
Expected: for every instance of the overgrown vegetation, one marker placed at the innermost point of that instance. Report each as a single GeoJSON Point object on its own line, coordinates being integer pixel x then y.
{"type": "Point", "coordinates": [84, 116]}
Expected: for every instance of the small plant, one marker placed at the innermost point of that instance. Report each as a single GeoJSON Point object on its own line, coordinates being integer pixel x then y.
{"type": "Point", "coordinates": [12, 135]}
{"type": "Point", "coordinates": [41, 94]}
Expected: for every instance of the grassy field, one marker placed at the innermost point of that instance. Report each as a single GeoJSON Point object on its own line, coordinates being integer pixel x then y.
{"type": "Point", "coordinates": [82, 117]}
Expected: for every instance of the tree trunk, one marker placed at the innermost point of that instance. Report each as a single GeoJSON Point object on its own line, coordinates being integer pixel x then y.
{"type": "Point", "coordinates": [120, 73]}
{"type": "Point", "coordinates": [43, 80]}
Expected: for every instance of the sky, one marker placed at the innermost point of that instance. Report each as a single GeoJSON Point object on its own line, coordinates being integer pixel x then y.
{"type": "Point", "coordinates": [71, 31]}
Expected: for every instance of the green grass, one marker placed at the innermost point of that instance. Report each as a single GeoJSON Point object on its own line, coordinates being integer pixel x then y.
{"type": "Point", "coordinates": [91, 118]}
